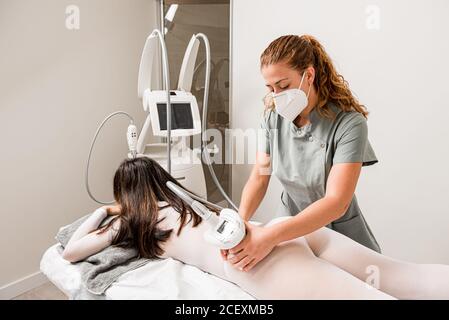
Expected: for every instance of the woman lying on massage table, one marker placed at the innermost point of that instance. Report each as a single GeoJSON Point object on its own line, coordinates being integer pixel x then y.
{"type": "Point", "coordinates": [321, 265]}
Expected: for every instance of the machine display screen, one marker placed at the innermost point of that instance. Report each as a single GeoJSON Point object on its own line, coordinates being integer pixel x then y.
{"type": "Point", "coordinates": [181, 116]}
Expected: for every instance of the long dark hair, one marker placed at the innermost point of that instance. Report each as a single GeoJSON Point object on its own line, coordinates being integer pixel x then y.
{"type": "Point", "coordinates": [138, 186]}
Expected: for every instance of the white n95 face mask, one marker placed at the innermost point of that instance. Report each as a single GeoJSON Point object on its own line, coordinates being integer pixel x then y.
{"type": "Point", "coordinates": [290, 103]}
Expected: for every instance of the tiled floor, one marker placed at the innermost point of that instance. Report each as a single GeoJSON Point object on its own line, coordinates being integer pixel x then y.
{"type": "Point", "coordinates": [47, 291]}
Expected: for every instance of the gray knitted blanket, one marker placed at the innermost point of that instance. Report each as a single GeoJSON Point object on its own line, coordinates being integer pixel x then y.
{"type": "Point", "coordinates": [100, 270]}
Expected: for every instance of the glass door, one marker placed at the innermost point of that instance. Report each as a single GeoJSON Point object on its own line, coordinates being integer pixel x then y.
{"type": "Point", "coordinates": [182, 19]}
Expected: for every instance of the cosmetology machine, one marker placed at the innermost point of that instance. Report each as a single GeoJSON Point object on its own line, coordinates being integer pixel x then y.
{"type": "Point", "coordinates": [173, 115]}
{"type": "Point", "coordinates": [176, 157]}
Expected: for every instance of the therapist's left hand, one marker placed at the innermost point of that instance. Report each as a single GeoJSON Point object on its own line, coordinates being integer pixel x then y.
{"type": "Point", "coordinates": [257, 244]}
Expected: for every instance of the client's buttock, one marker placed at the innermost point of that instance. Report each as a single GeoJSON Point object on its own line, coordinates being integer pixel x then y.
{"type": "Point", "coordinates": [285, 273]}
{"type": "Point", "coordinates": [281, 274]}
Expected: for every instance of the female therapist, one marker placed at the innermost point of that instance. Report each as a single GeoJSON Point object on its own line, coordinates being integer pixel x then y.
{"type": "Point", "coordinates": [315, 140]}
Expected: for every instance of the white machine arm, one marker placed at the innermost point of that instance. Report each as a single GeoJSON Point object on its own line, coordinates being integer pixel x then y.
{"type": "Point", "coordinates": [144, 84]}
{"type": "Point", "coordinates": [188, 65]}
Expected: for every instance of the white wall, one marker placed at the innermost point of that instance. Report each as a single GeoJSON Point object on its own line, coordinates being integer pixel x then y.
{"type": "Point", "coordinates": [56, 86]}
{"type": "Point", "coordinates": [400, 73]}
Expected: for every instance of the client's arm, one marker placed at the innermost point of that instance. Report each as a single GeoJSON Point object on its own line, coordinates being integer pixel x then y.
{"type": "Point", "coordinates": [86, 241]}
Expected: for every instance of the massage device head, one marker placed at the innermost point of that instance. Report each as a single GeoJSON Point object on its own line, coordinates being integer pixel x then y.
{"type": "Point", "coordinates": [226, 230]}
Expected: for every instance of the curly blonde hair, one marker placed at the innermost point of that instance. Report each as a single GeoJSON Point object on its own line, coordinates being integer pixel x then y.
{"type": "Point", "coordinates": [300, 52]}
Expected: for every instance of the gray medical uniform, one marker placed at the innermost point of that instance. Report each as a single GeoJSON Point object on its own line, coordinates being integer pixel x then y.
{"type": "Point", "coordinates": [301, 158]}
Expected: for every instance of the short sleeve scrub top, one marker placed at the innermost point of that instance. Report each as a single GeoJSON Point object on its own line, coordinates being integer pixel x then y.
{"type": "Point", "coordinates": [302, 157]}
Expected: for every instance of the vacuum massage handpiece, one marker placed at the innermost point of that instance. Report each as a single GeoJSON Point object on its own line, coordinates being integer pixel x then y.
{"type": "Point", "coordinates": [226, 230]}
{"type": "Point", "coordinates": [131, 136]}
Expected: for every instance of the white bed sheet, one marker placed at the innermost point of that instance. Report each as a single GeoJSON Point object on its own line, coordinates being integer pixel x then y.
{"type": "Point", "coordinates": [162, 279]}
